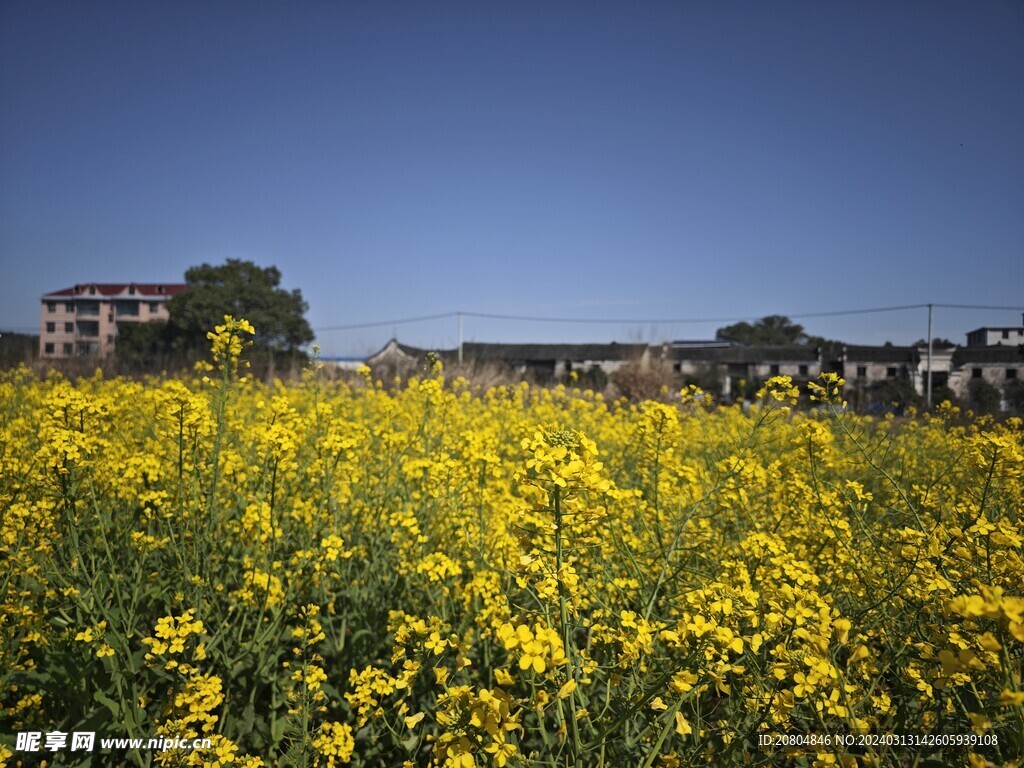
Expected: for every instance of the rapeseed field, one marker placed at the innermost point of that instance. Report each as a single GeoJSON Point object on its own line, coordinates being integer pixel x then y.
{"type": "Point", "coordinates": [327, 574]}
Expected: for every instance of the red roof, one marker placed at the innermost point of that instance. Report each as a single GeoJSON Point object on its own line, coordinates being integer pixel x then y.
{"type": "Point", "coordinates": [121, 289]}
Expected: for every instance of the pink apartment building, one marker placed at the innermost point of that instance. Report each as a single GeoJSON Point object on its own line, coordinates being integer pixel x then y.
{"type": "Point", "coordinates": [83, 319]}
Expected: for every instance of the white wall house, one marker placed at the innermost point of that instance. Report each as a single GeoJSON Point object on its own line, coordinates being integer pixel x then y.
{"type": "Point", "coordinates": [994, 337]}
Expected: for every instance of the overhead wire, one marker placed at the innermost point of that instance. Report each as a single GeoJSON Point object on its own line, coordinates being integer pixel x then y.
{"type": "Point", "coordinates": [654, 321]}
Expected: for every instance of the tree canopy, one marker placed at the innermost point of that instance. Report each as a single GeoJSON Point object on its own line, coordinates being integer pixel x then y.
{"type": "Point", "coordinates": [770, 330]}
{"type": "Point", "coordinates": [937, 341]}
{"type": "Point", "coordinates": [244, 290]}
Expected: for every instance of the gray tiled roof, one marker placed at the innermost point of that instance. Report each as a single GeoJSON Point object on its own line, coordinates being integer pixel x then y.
{"type": "Point", "coordinates": [890, 354]}
{"type": "Point", "coordinates": [998, 354]}
{"type": "Point", "coordinates": [118, 289]}
{"type": "Point", "coordinates": [514, 353]}
{"type": "Point", "coordinates": [737, 354]}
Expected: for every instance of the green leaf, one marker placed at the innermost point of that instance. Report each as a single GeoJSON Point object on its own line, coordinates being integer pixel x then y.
{"type": "Point", "coordinates": [277, 729]}
{"type": "Point", "coordinates": [109, 703]}
{"type": "Point", "coordinates": [248, 718]}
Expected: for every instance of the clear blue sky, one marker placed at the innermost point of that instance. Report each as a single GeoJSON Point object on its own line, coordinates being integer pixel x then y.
{"type": "Point", "coordinates": [590, 160]}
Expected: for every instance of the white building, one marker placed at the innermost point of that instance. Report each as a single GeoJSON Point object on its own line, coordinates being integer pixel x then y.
{"type": "Point", "coordinates": [994, 337]}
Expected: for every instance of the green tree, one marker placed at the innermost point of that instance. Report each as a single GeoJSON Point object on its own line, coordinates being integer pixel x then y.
{"type": "Point", "coordinates": [937, 343]}
{"type": "Point", "coordinates": [17, 348]}
{"type": "Point", "coordinates": [984, 395]}
{"type": "Point", "coordinates": [142, 343]}
{"type": "Point", "coordinates": [894, 392]}
{"type": "Point", "coordinates": [1015, 394]}
{"type": "Point", "coordinates": [831, 350]}
{"type": "Point", "coordinates": [244, 290]}
{"type": "Point", "coordinates": [773, 329]}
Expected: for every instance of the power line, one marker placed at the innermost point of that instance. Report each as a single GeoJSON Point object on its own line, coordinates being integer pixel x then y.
{"type": "Point", "coordinates": [620, 321]}
{"type": "Point", "coordinates": [837, 313]}
{"type": "Point", "coordinates": [380, 323]}
{"type": "Point", "coordinates": [655, 321]}
{"type": "Point", "coordinates": [978, 306]}
{"type": "Point", "coordinates": [681, 320]}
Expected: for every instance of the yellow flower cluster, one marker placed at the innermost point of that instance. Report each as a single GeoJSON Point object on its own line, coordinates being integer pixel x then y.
{"type": "Point", "coordinates": [334, 744]}
{"type": "Point", "coordinates": [327, 571]}
{"type": "Point", "coordinates": [170, 635]}
{"type": "Point", "coordinates": [828, 388]}
{"type": "Point", "coordinates": [90, 635]}
{"type": "Point", "coordinates": [539, 648]}
{"type": "Point", "coordinates": [228, 341]}
{"type": "Point", "coordinates": [474, 723]}
{"type": "Point", "coordinates": [782, 389]}
{"type": "Point", "coordinates": [991, 604]}
{"type": "Point", "coordinates": [563, 458]}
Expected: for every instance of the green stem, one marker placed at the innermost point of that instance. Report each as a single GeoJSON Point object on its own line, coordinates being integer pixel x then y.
{"type": "Point", "coordinates": [563, 609]}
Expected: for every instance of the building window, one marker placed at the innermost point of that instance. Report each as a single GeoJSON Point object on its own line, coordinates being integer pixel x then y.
{"type": "Point", "coordinates": [1006, 333]}
{"type": "Point", "coordinates": [51, 327]}
{"type": "Point", "coordinates": [774, 369]}
{"type": "Point", "coordinates": [51, 306]}
{"type": "Point", "coordinates": [48, 349]}
{"type": "Point", "coordinates": [154, 307]}
{"type": "Point", "coordinates": [92, 290]}
{"type": "Point", "coordinates": [69, 327]}
{"type": "Point", "coordinates": [862, 371]}
{"type": "Point", "coordinates": [803, 370]}
{"type": "Point", "coordinates": [69, 349]}
{"type": "Point", "coordinates": [88, 329]}
{"type": "Point", "coordinates": [69, 306]}
{"type": "Point", "coordinates": [1011, 373]}
{"type": "Point", "coordinates": [126, 308]}
{"type": "Point", "coordinates": [975, 373]}
{"type": "Point", "coordinates": [110, 338]}
{"type": "Point", "coordinates": [890, 372]}
{"type": "Point", "coordinates": [131, 290]}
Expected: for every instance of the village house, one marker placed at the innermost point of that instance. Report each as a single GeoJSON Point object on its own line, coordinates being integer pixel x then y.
{"type": "Point", "coordinates": [538, 362]}
{"type": "Point", "coordinates": [555, 361]}
{"type": "Point", "coordinates": [729, 364]}
{"type": "Point", "coordinates": [863, 366]}
{"type": "Point", "coordinates": [873, 373]}
{"type": "Point", "coordinates": [996, 337]}
{"type": "Point", "coordinates": [999, 365]}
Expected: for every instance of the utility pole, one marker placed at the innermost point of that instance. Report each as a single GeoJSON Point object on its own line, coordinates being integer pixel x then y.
{"type": "Point", "coordinates": [460, 338]}
{"type": "Point", "coordinates": [928, 386]}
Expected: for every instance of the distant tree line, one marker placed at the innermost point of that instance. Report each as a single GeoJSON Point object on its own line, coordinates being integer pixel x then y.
{"type": "Point", "coordinates": [17, 348]}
